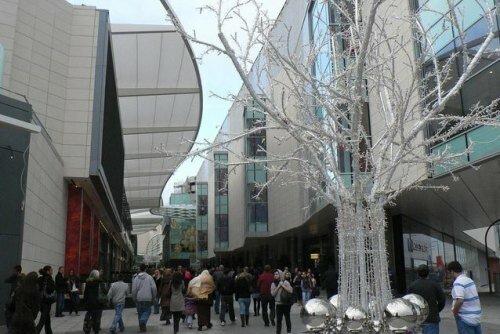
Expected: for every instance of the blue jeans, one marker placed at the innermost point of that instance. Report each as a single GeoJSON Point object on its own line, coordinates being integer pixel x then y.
{"type": "Point", "coordinates": [244, 305]}
{"type": "Point", "coordinates": [465, 328]}
{"type": "Point", "coordinates": [117, 320]}
{"type": "Point", "coordinates": [306, 295]}
{"type": "Point", "coordinates": [217, 302]}
{"type": "Point", "coordinates": [59, 303]}
{"type": "Point", "coordinates": [143, 311]}
{"type": "Point", "coordinates": [430, 328]}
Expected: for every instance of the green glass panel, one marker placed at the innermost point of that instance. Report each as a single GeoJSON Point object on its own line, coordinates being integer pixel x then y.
{"type": "Point", "coordinates": [455, 145]}
{"type": "Point", "coordinates": [483, 141]}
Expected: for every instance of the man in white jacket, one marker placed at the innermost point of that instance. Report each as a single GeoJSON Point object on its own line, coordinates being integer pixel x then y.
{"type": "Point", "coordinates": [143, 292]}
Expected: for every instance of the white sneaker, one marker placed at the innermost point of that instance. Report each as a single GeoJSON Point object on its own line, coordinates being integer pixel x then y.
{"type": "Point", "coordinates": [222, 323]}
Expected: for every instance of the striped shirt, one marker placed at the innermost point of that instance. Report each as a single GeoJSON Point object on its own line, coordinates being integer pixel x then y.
{"type": "Point", "coordinates": [464, 288]}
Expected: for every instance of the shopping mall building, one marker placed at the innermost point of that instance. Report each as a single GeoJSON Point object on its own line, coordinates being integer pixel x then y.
{"type": "Point", "coordinates": [285, 226]}
{"type": "Point", "coordinates": [84, 108]}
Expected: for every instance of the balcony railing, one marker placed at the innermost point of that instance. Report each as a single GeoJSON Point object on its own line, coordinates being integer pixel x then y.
{"type": "Point", "coordinates": [476, 144]}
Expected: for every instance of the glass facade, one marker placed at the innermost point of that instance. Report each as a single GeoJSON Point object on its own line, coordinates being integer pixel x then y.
{"type": "Point", "coordinates": [221, 201]}
{"type": "Point", "coordinates": [256, 173]}
{"type": "Point", "coordinates": [482, 86]}
{"type": "Point", "coordinates": [329, 34]}
{"type": "Point", "coordinates": [202, 220]}
{"type": "Point", "coordinates": [424, 245]}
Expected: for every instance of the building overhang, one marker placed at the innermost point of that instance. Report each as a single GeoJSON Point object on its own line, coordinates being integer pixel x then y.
{"type": "Point", "coordinates": [160, 98]}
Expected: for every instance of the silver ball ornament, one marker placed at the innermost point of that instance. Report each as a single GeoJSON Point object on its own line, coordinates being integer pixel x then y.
{"type": "Point", "coordinates": [334, 300]}
{"type": "Point", "coordinates": [355, 319]}
{"type": "Point", "coordinates": [400, 315]}
{"type": "Point", "coordinates": [317, 314]}
{"type": "Point", "coordinates": [421, 304]}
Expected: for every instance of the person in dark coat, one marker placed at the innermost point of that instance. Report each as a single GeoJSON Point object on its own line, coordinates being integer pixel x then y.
{"type": "Point", "coordinates": [225, 286]}
{"type": "Point", "coordinates": [94, 307]}
{"type": "Point", "coordinates": [157, 278]}
{"type": "Point", "coordinates": [164, 293]}
{"type": "Point", "coordinates": [242, 287]}
{"type": "Point", "coordinates": [61, 290]}
{"type": "Point", "coordinates": [74, 294]}
{"type": "Point", "coordinates": [433, 293]}
{"type": "Point", "coordinates": [14, 280]}
{"type": "Point", "coordinates": [47, 289]}
{"type": "Point", "coordinates": [27, 299]}
{"type": "Point", "coordinates": [330, 282]}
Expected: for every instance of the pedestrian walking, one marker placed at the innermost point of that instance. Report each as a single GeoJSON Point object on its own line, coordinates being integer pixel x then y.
{"type": "Point", "coordinates": [255, 294]}
{"type": "Point", "coordinates": [14, 280]}
{"type": "Point", "coordinates": [27, 299]}
{"type": "Point", "coordinates": [189, 309]}
{"type": "Point", "coordinates": [143, 292]}
{"type": "Point", "coordinates": [47, 289]}
{"type": "Point", "coordinates": [466, 306]}
{"type": "Point", "coordinates": [157, 277]}
{"type": "Point", "coordinates": [297, 286]}
{"type": "Point", "coordinates": [117, 294]}
{"type": "Point", "coordinates": [61, 290]}
{"type": "Point", "coordinates": [282, 291]}
{"type": "Point", "coordinates": [202, 288]}
{"type": "Point", "coordinates": [177, 299]}
{"type": "Point", "coordinates": [94, 296]}
{"type": "Point", "coordinates": [165, 294]}
{"type": "Point", "coordinates": [217, 275]}
{"type": "Point", "coordinates": [74, 292]}
{"type": "Point", "coordinates": [264, 285]}
{"type": "Point", "coordinates": [242, 287]}
{"type": "Point", "coordinates": [433, 293]}
{"type": "Point", "coordinates": [225, 286]}
{"type": "Point", "coordinates": [306, 287]}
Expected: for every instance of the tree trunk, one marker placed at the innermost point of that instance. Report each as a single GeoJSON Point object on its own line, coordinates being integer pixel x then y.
{"type": "Point", "coordinates": [364, 276]}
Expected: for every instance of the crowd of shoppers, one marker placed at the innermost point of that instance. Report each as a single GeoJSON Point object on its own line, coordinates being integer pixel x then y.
{"type": "Point", "coordinates": [185, 297]}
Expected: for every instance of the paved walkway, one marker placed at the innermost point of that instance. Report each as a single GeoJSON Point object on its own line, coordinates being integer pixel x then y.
{"type": "Point", "coordinates": [73, 324]}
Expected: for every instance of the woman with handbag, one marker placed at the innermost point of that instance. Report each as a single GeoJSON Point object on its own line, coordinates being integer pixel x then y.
{"type": "Point", "coordinates": [282, 291]}
{"type": "Point", "coordinates": [47, 288]}
{"type": "Point", "coordinates": [95, 300]}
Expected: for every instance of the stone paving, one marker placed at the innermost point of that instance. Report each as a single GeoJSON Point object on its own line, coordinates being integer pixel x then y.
{"type": "Point", "coordinates": [73, 324]}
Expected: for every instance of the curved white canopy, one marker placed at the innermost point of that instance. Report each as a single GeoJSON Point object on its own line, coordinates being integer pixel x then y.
{"type": "Point", "coordinates": [160, 99]}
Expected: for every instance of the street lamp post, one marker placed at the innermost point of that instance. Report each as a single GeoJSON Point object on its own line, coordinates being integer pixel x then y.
{"type": "Point", "coordinates": [486, 251]}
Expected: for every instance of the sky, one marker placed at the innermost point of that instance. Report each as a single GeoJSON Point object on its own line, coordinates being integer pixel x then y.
{"type": "Point", "coordinates": [188, 12]}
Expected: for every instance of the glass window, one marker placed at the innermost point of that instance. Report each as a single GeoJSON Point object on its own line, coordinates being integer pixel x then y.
{"type": "Point", "coordinates": [482, 88]}
{"type": "Point", "coordinates": [256, 173]}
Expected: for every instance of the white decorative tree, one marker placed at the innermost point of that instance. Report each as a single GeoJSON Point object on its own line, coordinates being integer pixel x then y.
{"type": "Point", "coordinates": [316, 94]}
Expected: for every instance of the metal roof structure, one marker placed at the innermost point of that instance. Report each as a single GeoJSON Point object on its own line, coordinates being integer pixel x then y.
{"type": "Point", "coordinates": [176, 211]}
{"type": "Point", "coordinates": [160, 99]}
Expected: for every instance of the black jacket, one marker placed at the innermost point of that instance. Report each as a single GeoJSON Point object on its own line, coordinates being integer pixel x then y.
{"type": "Point", "coordinates": [433, 293]}
{"type": "Point", "coordinates": [46, 282]}
{"type": "Point", "coordinates": [61, 283]}
{"type": "Point", "coordinates": [91, 294]}
{"type": "Point", "coordinates": [242, 287]}
{"type": "Point", "coordinates": [225, 285]}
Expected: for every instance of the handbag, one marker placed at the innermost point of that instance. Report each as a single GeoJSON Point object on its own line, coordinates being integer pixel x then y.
{"type": "Point", "coordinates": [286, 297]}
{"type": "Point", "coordinates": [101, 297]}
{"type": "Point", "coordinates": [48, 298]}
